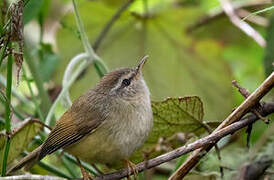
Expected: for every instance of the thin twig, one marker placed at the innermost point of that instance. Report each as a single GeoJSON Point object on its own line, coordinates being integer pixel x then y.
{"type": "Point", "coordinates": [245, 27]}
{"type": "Point", "coordinates": [110, 23]}
{"type": "Point", "coordinates": [203, 142]}
{"type": "Point", "coordinates": [40, 122]}
{"type": "Point", "coordinates": [241, 110]}
{"type": "Point", "coordinates": [217, 14]}
{"type": "Point", "coordinates": [32, 177]}
{"type": "Point", "coordinates": [245, 93]}
{"type": "Point", "coordinates": [256, 19]}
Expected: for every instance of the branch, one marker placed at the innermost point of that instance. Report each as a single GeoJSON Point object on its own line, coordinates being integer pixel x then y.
{"type": "Point", "coordinates": [248, 103]}
{"type": "Point", "coordinates": [110, 23]}
{"type": "Point", "coordinates": [245, 27]}
{"type": "Point", "coordinates": [211, 139]}
{"type": "Point", "coordinates": [239, 9]}
{"type": "Point", "coordinates": [32, 177]}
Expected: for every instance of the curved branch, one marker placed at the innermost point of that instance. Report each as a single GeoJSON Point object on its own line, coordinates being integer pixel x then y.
{"type": "Point", "coordinates": [245, 27]}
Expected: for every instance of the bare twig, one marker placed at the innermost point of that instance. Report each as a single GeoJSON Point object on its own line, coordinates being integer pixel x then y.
{"type": "Point", "coordinates": [239, 9]}
{"type": "Point", "coordinates": [40, 122]}
{"type": "Point", "coordinates": [245, 27]}
{"type": "Point", "coordinates": [256, 19]}
{"type": "Point", "coordinates": [32, 177]}
{"type": "Point", "coordinates": [248, 131]}
{"type": "Point", "coordinates": [245, 93]}
{"type": "Point", "coordinates": [110, 23]}
{"type": "Point", "coordinates": [211, 139]}
{"type": "Point", "coordinates": [241, 110]}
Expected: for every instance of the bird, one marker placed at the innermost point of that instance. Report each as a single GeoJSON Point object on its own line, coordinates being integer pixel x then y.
{"type": "Point", "coordinates": [105, 125]}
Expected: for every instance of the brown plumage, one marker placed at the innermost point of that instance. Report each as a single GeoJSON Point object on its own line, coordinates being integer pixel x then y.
{"type": "Point", "coordinates": [113, 120]}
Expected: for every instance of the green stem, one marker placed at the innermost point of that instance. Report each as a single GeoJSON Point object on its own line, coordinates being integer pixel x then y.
{"type": "Point", "coordinates": [70, 167]}
{"type": "Point", "coordinates": [99, 65]}
{"type": "Point", "coordinates": [33, 97]}
{"type": "Point", "coordinates": [45, 104]}
{"type": "Point", "coordinates": [5, 156]}
{"type": "Point", "coordinates": [53, 170]}
{"type": "Point", "coordinates": [7, 114]}
{"type": "Point", "coordinates": [145, 7]}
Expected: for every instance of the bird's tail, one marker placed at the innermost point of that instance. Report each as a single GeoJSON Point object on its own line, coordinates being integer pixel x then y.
{"type": "Point", "coordinates": [27, 161]}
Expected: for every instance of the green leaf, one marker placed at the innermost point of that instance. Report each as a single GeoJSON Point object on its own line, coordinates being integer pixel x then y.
{"type": "Point", "coordinates": [174, 115]}
{"type": "Point", "coordinates": [48, 61]}
{"type": "Point", "coordinates": [20, 138]}
{"type": "Point", "coordinates": [2, 123]}
{"type": "Point", "coordinates": [179, 64]}
{"type": "Point", "coordinates": [32, 9]}
{"type": "Point", "coordinates": [44, 11]}
{"type": "Point", "coordinates": [269, 55]}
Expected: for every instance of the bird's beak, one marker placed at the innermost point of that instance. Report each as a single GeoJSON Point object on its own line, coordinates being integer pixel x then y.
{"type": "Point", "coordinates": [141, 64]}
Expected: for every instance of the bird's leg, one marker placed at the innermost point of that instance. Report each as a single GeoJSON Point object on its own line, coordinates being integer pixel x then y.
{"type": "Point", "coordinates": [131, 166]}
{"type": "Point", "coordinates": [85, 174]}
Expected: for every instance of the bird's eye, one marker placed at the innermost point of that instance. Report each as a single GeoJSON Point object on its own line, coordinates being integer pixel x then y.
{"type": "Point", "coordinates": [126, 82]}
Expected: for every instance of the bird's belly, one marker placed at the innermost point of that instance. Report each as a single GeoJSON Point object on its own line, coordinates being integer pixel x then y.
{"type": "Point", "coordinates": [114, 140]}
{"type": "Point", "coordinates": [95, 148]}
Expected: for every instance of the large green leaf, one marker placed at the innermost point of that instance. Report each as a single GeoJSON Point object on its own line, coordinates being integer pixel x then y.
{"type": "Point", "coordinates": [32, 9]}
{"type": "Point", "coordinates": [20, 138]}
{"type": "Point", "coordinates": [174, 115]}
{"type": "Point", "coordinates": [179, 65]}
{"type": "Point", "coordinates": [269, 55]}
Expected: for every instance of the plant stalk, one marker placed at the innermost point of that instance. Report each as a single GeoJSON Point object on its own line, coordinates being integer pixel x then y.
{"type": "Point", "coordinates": [7, 114]}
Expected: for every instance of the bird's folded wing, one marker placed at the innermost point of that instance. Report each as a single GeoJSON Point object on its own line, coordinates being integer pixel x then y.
{"type": "Point", "coordinates": [71, 127]}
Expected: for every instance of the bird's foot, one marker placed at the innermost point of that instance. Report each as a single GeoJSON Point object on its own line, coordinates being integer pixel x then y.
{"type": "Point", "coordinates": [131, 166]}
{"type": "Point", "coordinates": [85, 174]}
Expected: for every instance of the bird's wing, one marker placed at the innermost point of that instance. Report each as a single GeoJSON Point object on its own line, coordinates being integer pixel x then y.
{"type": "Point", "coordinates": [80, 120]}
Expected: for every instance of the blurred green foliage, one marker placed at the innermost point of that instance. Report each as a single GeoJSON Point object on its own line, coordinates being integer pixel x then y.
{"type": "Point", "coordinates": [178, 63]}
{"type": "Point", "coordinates": [182, 62]}
{"type": "Point", "coordinates": [269, 55]}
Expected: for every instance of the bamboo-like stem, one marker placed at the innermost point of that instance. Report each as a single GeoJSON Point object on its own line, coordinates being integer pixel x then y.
{"type": "Point", "coordinates": [33, 97]}
{"type": "Point", "coordinates": [7, 114]}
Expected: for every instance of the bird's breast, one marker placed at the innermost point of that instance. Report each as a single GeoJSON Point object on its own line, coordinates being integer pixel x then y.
{"type": "Point", "coordinates": [123, 131]}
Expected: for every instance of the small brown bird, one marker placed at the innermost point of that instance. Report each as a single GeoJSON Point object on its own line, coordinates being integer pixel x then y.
{"type": "Point", "coordinates": [106, 124]}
